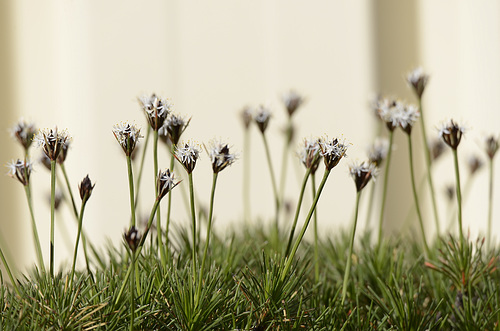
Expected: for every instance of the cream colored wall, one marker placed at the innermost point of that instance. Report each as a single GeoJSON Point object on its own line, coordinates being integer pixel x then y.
{"type": "Point", "coordinates": [81, 64]}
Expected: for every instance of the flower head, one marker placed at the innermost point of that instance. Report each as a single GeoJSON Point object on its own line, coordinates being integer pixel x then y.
{"type": "Point", "coordinates": [220, 157]}
{"type": "Point", "coordinates": [132, 238]}
{"type": "Point", "coordinates": [127, 136]}
{"type": "Point", "coordinates": [262, 117]}
{"type": "Point", "coordinates": [437, 148]}
{"type": "Point", "coordinates": [418, 80]}
{"type": "Point", "coordinates": [173, 128]}
{"type": "Point", "coordinates": [85, 188]}
{"type": "Point", "coordinates": [310, 154]}
{"type": "Point", "coordinates": [20, 170]}
{"type": "Point", "coordinates": [386, 108]}
{"type": "Point", "coordinates": [246, 117]}
{"type": "Point", "coordinates": [474, 163]}
{"type": "Point", "coordinates": [165, 182]}
{"type": "Point", "coordinates": [292, 101]}
{"type": "Point", "coordinates": [156, 110]}
{"type": "Point", "coordinates": [399, 114]}
{"type": "Point", "coordinates": [52, 141]}
{"type": "Point", "coordinates": [23, 132]}
{"type": "Point", "coordinates": [451, 133]}
{"type": "Point", "coordinates": [332, 151]}
{"type": "Point", "coordinates": [362, 173]}
{"type": "Point", "coordinates": [378, 151]}
{"type": "Point", "coordinates": [64, 152]}
{"type": "Point", "coordinates": [187, 154]}
{"type": "Point", "coordinates": [491, 146]}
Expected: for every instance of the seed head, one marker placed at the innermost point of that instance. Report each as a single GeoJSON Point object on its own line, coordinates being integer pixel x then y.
{"type": "Point", "coordinates": [362, 173]}
{"type": "Point", "coordinates": [474, 163]}
{"type": "Point", "coordinates": [23, 132]}
{"type": "Point", "coordinates": [378, 151]}
{"type": "Point", "coordinates": [164, 183]}
{"type": "Point", "coordinates": [127, 136]}
{"type": "Point", "coordinates": [451, 133]}
{"type": "Point", "coordinates": [132, 238]}
{"type": "Point", "coordinates": [310, 154]}
{"type": "Point", "coordinates": [187, 154]}
{"type": "Point", "coordinates": [491, 146]}
{"type": "Point", "coordinates": [292, 101]}
{"type": "Point", "coordinates": [85, 188]}
{"type": "Point", "coordinates": [261, 118]}
{"type": "Point", "coordinates": [246, 117]}
{"type": "Point", "coordinates": [332, 151]}
{"type": "Point", "coordinates": [52, 142]}
{"type": "Point", "coordinates": [20, 170]}
{"type": "Point", "coordinates": [173, 128]}
{"type": "Point", "coordinates": [156, 110]}
{"type": "Point", "coordinates": [220, 157]}
{"type": "Point", "coordinates": [418, 80]}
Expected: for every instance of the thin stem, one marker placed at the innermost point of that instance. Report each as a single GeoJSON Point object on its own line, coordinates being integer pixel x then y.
{"type": "Point", "coordinates": [490, 204]}
{"type": "Point", "coordinates": [370, 205]}
{"type": "Point", "coordinates": [169, 208]}
{"type": "Point", "coordinates": [246, 176]}
{"type": "Point", "coordinates": [52, 212]}
{"type": "Point", "coordinates": [289, 258]}
{"type": "Point", "coordinates": [459, 197]}
{"type": "Point", "coordinates": [131, 190]}
{"type": "Point", "coordinates": [80, 222]}
{"type": "Point", "coordinates": [141, 166]}
{"type": "Point", "coordinates": [316, 251]}
{"type": "Point", "coordinates": [132, 291]}
{"type": "Point", "coordinates": [351, 245]}
{"type": "Point", "coordinates": [284, 160]}
{"type": "Point", "coordinates": [158, 217]}
{"type": "Point", "coordinates": [297, 211]}
{"type": "Point", "coordinates": [428, 164]}
{"type": "Point", "coordinates": [415, 195]}
{"type": "Point", "coordinates": [12, 280]}
{"type": "Point", "coordinates": [193, 220]}
{"type": "Point", "coordinates": [384, 189]}
{"type": "Point", "coordinates": [207, 239]}
{"type": "Point", "coordinates": [273, 178]}
{"type": "Point", "coordinates": [36, 239]}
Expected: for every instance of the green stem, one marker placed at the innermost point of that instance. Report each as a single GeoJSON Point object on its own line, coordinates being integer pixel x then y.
{"type": "Point", "coordinates": [193, 220]}
{"type": "Point", "coordinates": [316, 251]}
{"type": "Point", "coordinates": [284, 160]}
{"type": "Point", "coordinates": [370, 206]}
{"type": "Point", "coordinates": [490, 205]}
{"type": "Point", "coordinates": [12, 280]}
{"type": "Point", "coordinates": [169, 208]}
{"type": "Point", "coordinates": [273, 178]}
{"type": "Point", "coordinates": [207, 239]}
{"type": "Point", "coordinates": [384, 189]}
{"type": "Point", "coordinates": [351, 245]}
{"type": "Point", "coordinates": [459, 198]}
{"type": "Point", "coordinates": [132, 290]}
{"type": "Point", "coordinates": [246, 176]}
{"type": "Point", "coordinates": [297, 211]}
{"type": "Point", "coordinates": [415, 195]}
{"type": "Point", "coordinates": [52, 212]}
{"type": "Point", "coordinates": [428, 164]}
{"type": "Point", "coordinates": [131, 190]}
{"type": "Point", "coordinates": [80, 222]}
{"type": "Point", "coordinates": [158, 217]}
{"type": "Point", "coordinates": [36, 239]}
{"type": "Point", "coordinates": [141, 166]}
{"type": "Point", "coordinates": [289, 259]}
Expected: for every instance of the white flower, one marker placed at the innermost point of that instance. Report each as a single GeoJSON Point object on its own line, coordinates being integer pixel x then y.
{"type": "Point", "coordinates": [418, 80]}
{"type": "Point", "coordinates": [220, 157]}
{"type": "Point", "coordinates": [164, 183]}
{"type": "Point", "coordinates": [127, 136]}
{"type": "Point", "coordinates": [310, 154]}
{"type": "Point", "coordinates": [362, 173]}
{"type": "Point", "coordinates": [261, 117]}
{"type": "Point", "coordinates": [396, 113]}
{"type": "Point", "coordinates": [23, 132]}
{"type": "Point", "coordinates": [378, 151]}
{"type": "Point", "coordinates": [187, 154]}
{"type": "Point", "coordinates": [332, 151]}
{"type": "Point", "coordinates": [451, 133]}
{"type": "Point", "coordinates": [292, 101]}
{"type": "Point", "coordinates": [52, 141]}
{"type": "Point", "coordinates": [173, 127]}
{"type": "Point", "coordinates": [20, 170]}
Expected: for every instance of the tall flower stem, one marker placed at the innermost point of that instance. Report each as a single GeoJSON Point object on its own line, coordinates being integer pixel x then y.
{"type": "Point", "coordinates": [193, 220]}
{"type": "Point", "coordinates": [141, 166]}
{"type": "Point", "coordinates": [289, 258]}
{"type": "Point", "coordinates": [370, 206]}
{"type": "Point", "coordinates": [316, 252]}
{"type": "Point", "coordinates": [428, 164]}
{"type": "Point", "coordinates": [284, 160]}
{"type": "Point", "coordinates": [7, 268]}
{"type": "Point", "coordinates": [80, 222]}
{"type": "Point", "coordinates": [131, 190]}
{"type": "Point", "coordinates": [297, 211]}
{"type": "Point", "coordinates": [246, 175]}
{"type": "Point", "coordinates": [132, 290]}
{"type": "Point", "coordinates": [459, 197]}
{"type": "Point", "coordinates": [158, 217]}
{"type": "Point", "coordinates": [490, 204]}
{"type": "Point", "coordinates": [169, 206]}
{"type": "Point", "coordinates": [36, 239]}
{"type": "Point", "coordinates": [384, 189]}
{"type": "Point", "coordinates": [273, 179]}
{"type": "Point", "coordinates": [415, 195]}
{"type": "Point", "coordinates": [52, 212]}
{"type": "Point", "coordinates": [207, 239]}
{"type": "Point", "coordinates": [351, 245]}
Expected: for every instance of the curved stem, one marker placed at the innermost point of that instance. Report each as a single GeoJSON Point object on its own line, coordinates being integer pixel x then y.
{"type": "Point", "coordinates": [131, 190]}
{"type": "Point", "coordinates": [36, 239]}
{"type": "Point", "coordinates": [316, 252]}
{"type": "Point", "coordinates": [351, 245]}
{"type": "Point", "coordinates": [384, 189]}
{"type": "Point", "coordinates": [7, 268]}
{"type": "Point", "coordinates": [52, 212]}
{"type": "Point", "coordinates": [80, 222]}
{"type": "Point", "coordinates": [273, 179]}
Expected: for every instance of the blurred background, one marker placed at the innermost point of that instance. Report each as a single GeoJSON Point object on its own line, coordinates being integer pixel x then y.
{"type": "Point", "coordinates": [80, 66]}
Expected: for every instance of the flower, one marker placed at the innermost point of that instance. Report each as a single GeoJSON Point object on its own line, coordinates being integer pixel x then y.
{"type": "Point", "coordinates": [362, 173]}
{"type": "Point", "coordinates": [187, 154]}
{"type": "Point", "coordinates": [436, 148]}
{"type": "Point", "coordinates": [24, 132]}
{"type": "Point", "coordinates": [164, 183]}
{"type": "Point", "coordinates": [418, 80]}
{"type": "Point", "coordinates": [399, 114]}
{"type": "Point", "coordinates": [246, 116]}
{"type": "Point", "coordinates": [332, 151]}
{"type": "Point", "coordinates": [491, 146]}
{"type": "Point", "coordinates": [292, 101]}
{"type": "Point", "coordinates": [474, 163]}
{"type": "Point", "coordinates": [64, 152]}
{"type": "Point", "coordinates": [261, 118]}
{"type": "Point", "coordinates": [220, 156]}
{"type": "Point", "coordinates": [156, 110]}
{"type": "Point", "coordinates": [127, 136]}
{"type": "Point", "coordinates": [451, 133]}
{"type": "Point", "coordinates": [20, 170]}
{"type": "Point", "coordinates": [310, 154]}
{"type": "Point", "coordinates": [173, 128]}
{"type": "Point", "coordinates": [85, 188]}
{"type": "Point", "coordinates": [52, 142]}
{"type": "Point", "coordinates": [132, 238]}
{"type": "Point", "coordinates": [385, 109]}
{"type": "Point", "coordinates": [378, 151]}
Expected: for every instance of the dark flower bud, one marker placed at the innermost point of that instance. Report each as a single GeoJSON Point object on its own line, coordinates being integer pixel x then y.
{"type": "Point", "coordinates": [261, 118]}
{"type": "Point", "coordinates": [452, 133]}
{"type": "Point", "coordinates": [86, 188]}
{"type": "Point", "coordinates": [24, 132]}
{"type": "Point", "coordinates": [132, 238]}
{"type": "Point", "coordinates": [362, 173]}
